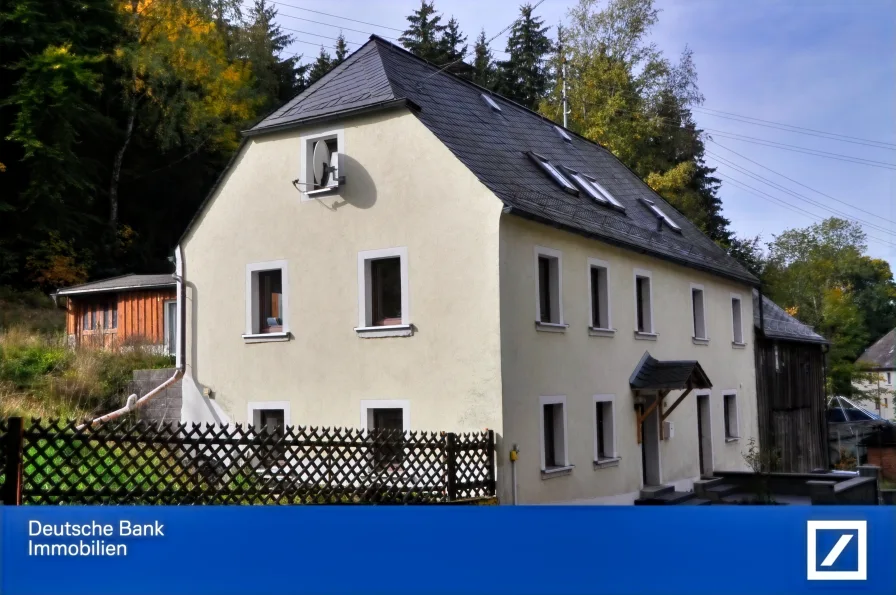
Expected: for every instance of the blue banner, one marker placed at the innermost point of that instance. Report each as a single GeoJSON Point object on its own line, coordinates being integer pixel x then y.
{"type": "Point", "coordinates": [256, 550]}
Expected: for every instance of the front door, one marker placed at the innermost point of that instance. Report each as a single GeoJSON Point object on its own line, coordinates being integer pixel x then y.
{"type": "Point", "coordinates": [650, 449]}
{"type": "Point", "coordinates": [704, 434]}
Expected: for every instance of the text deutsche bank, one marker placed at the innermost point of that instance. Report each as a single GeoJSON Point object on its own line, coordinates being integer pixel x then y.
{"type": "Point", "coordinates": [89, 547]}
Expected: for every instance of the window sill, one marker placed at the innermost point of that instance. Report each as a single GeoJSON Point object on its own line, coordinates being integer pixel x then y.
{"type": "Point", "coordinates": [642, 336]}
{"type": "Point", "coordinates": [604, 463]}
{"type": "Point", "coordinates": [266, 337]}
{"type": "Point", "coordinates": [736, 345]}
{"type": "Point", "coordinates": [312, 193]}
{"type": "Point", "coordinates": [601, 332]}
{"type": "Point", "coordinates": [550, 327]}
{"type": "Point", "coordinates": [732, 439]}
{"type": "Point", "coordinates": [395, 330]}
{"type": "Point", "coordinates": [553, 472]}
{"type": "Point", "coordinates": [700, 340]}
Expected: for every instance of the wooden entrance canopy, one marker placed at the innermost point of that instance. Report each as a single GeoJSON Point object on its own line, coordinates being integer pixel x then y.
{"type": "Point", "coordinates": [660, 378]}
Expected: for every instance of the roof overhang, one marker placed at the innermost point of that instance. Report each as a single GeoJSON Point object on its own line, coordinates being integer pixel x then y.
{"type": "Point", "coordinates": [373, 107]}
{"type": "Point", "coordinates": [652, 374]}
{"type": "Point", "coordinates": [86, 291]}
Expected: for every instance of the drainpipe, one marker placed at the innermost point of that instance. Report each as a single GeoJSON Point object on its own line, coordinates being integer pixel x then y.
{"type": "Point", "coordinates": [133, 403]}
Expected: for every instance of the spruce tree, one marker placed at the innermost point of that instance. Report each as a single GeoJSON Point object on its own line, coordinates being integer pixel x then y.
{"type": "Point", "coordinates": [483, 63]}
{"type": "Point", "coordinates": [276, 80]}
{"type": "Point", "coordinates": [320, 67]}
{"type": "Point", "coordinates": [452, 44]}
{"type": "Point", "coordinates": [423, 35]}
{"type": "Point", "coordinates": [341, 50]}
{"type": "Point", "coordinates": [524, 76]}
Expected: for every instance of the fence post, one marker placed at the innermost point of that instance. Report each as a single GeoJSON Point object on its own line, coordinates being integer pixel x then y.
{"type": "Point", "coordinates": [451, 460]}
{"type": "Point", "coordinates": [12, 487]}
{"type": "Point", "coordinates": [492, 484]}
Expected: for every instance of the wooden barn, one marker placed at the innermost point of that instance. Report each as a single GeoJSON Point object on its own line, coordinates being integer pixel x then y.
{"type": "Point", "coordinates": [122, 310]}
{"type": "Point", "coordinates": [790, 388]}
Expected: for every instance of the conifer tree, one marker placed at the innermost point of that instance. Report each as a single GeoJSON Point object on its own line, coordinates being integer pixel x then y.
{"type": "Point", "coordinates": [524, 76]}
{"type": "Point", "coordinates": [483, 63]}
{"type": "Point", "coordinates": [423, 35]}
{"type": "Point", "coordinates": [320, 66]}
{"type": "Point", "coordinates": [341, 50]}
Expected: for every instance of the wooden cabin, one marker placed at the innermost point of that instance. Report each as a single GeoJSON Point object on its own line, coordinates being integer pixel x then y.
{"type": "Point", "coordinates": [122, 310]}
{"type": "Point", "coordinates": [790, 388]}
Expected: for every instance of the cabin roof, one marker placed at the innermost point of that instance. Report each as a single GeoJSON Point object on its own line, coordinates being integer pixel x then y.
{"type": "Point", "coordinates": [781, 325]}
{"type": "Point", "coordinates": [121, 283]}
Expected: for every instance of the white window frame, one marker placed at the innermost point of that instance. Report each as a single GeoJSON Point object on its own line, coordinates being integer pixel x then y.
{"type": "Point", "coordinates": [603, 191]}
{"type": "Point", "coordinates": [253, 406]}
{"type": "Point", "coordinates": [556, 400]}
{"type": "Point", "coordinates": [614, 456]}
{"type": "Point", "coordinates": [306, 177]}
{"type": "Point", "coordinates": [253, 324]}
{"type": "Point", "coordinates": [662, 214]}
{"type": "Point", "coordinates": [733, 424]}
{"type": "Point", "coordinates": [554, 172]}
{"type": "Point", "coordinates": [704, 340]}
{"type": "Point", "coordinates": [560, 325]}
{"type": "Point", "coordinates": [365, 322]}
{"type": "Point", "coordinates": [563, 134]}
{"type": "Point", "coordinates": [734, 326]}
{"type": "Point", "coordinates": [368, 405]}
{"type": "Point", "coordinates": [491, 102]}
{"type": "Point", "coordinates": [651, 334]}
{"type": "Point", "coordinates": [165, 320]}
{"type": "Point", "coordinates": [594, 330]}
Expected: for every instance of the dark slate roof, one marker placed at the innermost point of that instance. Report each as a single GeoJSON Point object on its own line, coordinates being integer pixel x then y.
{"type": "Point", "coordinates": [122, 283]}
{"type": "Point", "coordinates": [653, 374]}
{"type": "Point", "coordinates": [881, 355]}
{"type": "Point", "coordinates": [494, 146]}
{"type": "Point", "coordinates": [781, 325]}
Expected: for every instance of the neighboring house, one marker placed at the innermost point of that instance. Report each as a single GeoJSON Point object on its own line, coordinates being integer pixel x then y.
{"type": "Point", "coordinates": [880, 359]}
{"type": "Point", "coordinates": [467, 265]}
{"type": "Point", "coordinates": [122, 310]}
{"type": "Point", "coordinates": [790, 388]}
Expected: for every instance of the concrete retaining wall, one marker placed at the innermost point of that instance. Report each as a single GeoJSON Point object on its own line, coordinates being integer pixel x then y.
{"type": "Point", "coordinates": [165, 407]}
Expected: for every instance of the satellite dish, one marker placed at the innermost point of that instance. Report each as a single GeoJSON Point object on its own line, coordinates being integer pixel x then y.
{"type": "Point", "coordinates": [320, 163]}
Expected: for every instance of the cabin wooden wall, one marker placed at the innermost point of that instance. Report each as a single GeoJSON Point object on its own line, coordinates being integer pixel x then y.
{"type": "Point", "coordinates": [141, 317]}
{"type": "Point", "coordinates": [791, 402]}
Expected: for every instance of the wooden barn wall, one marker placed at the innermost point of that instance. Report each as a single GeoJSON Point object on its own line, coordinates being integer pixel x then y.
{"type": "Point", "coordinates": [791, 404]}
{"type": "Point", "coordinates": [141, 317]}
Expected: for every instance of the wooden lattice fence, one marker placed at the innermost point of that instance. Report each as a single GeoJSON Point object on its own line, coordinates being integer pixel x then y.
{"type": "Point", "coordinates": [128, 462]}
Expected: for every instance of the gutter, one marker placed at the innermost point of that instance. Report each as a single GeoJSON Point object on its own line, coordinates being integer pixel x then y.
{"type": "Point", "coordinates": [133, 403]}
{"type": "Point", "coordinates": [64, 292]}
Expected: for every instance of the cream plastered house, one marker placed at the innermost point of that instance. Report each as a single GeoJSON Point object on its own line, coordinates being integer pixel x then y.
{"type": "Point", "coordinates": [397, 247]}
{"type": "Point", "coordinates": [880, 361]}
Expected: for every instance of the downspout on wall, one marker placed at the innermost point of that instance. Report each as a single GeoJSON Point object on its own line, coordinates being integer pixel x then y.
{"type": "Point", "coordinates": [133, 403]}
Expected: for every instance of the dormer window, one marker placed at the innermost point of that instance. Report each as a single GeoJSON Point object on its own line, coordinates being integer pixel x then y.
{"type": "Point", "coordinates": [660, 214]}
{"type": "Point", "coordinates": [491, 102]}
{"type": "Point", "coordinates": [321, 171]}
{"type": "Point", "coordinates": [554, 172]}
{"type": "Point", "coordinates": [563, 134]}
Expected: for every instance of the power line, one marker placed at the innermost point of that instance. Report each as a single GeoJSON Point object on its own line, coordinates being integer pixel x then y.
{"type": "Point", "coordinates": [797, 128]}
{"type": "Point", "coordinates": [797, 195]}
{"type": "Point", "coordinates": [283, 14]}
{"type": "Point", "coordinates": [801, 184]}
{"type": "Point", "coordinates": [787, 205]}
{"type": "Point", "coordinates": [335, 16]}
{"type": "Point", "coordinates": [805, 150]}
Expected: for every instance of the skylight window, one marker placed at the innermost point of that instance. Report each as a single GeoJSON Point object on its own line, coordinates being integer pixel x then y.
{"type": "Point", "coordinates": [563, 134]}
{"type": "Point", "coordinates": [656, 210]}
{"type": "Point", "coordinates": [593, 189]}
{"type": "Point", "coordinates": [491, 103]}
{"type": "Point", "coordinates": [552, 171]}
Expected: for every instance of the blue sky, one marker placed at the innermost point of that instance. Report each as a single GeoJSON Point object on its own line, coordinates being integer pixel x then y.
{"type": "Point", "coordinates": [827, 65]}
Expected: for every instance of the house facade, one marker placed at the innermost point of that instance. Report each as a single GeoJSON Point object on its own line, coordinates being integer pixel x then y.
{"type": "Point", "coordinates": [398, 248]}
{"type": "Point", "coordinates": [880, 361]}
{"type": "Point", "coordinates": [122, 310]}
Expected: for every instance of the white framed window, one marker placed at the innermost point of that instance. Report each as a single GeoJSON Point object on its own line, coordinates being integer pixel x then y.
{"type": "Point", "coordinates": [270, 418]}
{"type": "Point", "coordinates": [599, 320]}
{"type": "Point", "coordinates": [604, 430]}
{"type": "Point", "coordinates": [737, 320]}
{"type": "Point", "coordinates": [384, 302]}
{"type": "Point", "coordinates": [393, 417]}
{"type": "Point", "coordinates": [332, 148]}
{"type": "Point", "coordinates": [267, 301]}
{"type": "Point", "coordinates": [593, 188]}
{"type": "Point", "coordinates": [491, 102]}
{"type": "Point", "coordinates": [549, 289]}
{"type": "Point", "coordinates": [644, 304]}
{"type": "Point", "coordinates": [563, 134]}
{"type": "Point", "coordinates": [552, 421]}
{"type": "Point", "coordinates": [170, 318]}
{"type": "Point", "coordinates": [732, 421]}
{"type": "Point", "coordinates": [889, 378]}
{"type": "Point", "coordinates": [698, 314]}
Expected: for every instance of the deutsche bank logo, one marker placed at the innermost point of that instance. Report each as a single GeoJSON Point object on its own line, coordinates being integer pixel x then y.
{"type": "Point", "coordinates": [837, 550]}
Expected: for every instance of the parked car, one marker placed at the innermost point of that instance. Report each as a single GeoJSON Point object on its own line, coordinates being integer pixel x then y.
{"type": "Point", "coordinates": [848, 425]}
